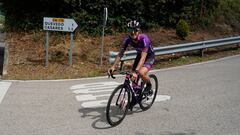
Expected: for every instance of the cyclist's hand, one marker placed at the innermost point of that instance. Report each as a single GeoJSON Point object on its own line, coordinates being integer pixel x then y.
{"type": "Point", "coordinates": [110, 72]}
{"type": "Point", "coordinates": [134, 76]}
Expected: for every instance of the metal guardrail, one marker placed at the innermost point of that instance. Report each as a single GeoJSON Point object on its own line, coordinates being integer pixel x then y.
{"type": "Point", "coordinates": [130, 55]}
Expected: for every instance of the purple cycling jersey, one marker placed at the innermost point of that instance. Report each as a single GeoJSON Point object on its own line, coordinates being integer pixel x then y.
{"type": "Point", "coordinates": [143, 44]}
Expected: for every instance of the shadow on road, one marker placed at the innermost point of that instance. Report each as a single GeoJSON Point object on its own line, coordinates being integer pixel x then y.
{"type": "Point", "coordinates": [99, 116]}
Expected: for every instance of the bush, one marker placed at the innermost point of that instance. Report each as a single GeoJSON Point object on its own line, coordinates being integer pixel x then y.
{"type": "Point", "coordinates": [2, 19]}
{"type": "Point", "coordinates": [182, 29]}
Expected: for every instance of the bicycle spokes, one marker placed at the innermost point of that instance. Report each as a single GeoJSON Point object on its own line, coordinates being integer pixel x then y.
{"type": "Point", "coordinates": [117, 105]}
{"type": "Point", "coordinates": [122, 101]}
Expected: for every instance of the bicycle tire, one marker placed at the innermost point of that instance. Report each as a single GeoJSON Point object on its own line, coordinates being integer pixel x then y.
{"type": "Point", "coordinates": [143, 96]}
{"type": "Point", "coordinates": [117, 92]}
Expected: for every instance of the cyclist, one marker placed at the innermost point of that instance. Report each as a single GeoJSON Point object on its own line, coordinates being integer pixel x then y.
{"type": "Point", "coordinates": [145, 54]}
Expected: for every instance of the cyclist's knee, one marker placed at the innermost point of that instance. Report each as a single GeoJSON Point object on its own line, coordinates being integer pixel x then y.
{"type": "Point", "coordinates": [143, 71]}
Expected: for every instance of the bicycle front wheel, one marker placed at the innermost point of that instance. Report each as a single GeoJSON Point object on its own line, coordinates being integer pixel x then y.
{"type": "Point", "coordinates": [118, 105]}
{"type": "Point", "coordinates": [148, 100]}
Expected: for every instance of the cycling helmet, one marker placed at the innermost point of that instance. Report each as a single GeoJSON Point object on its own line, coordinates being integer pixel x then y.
{"type": "Point", "coordinates": [134, 25]}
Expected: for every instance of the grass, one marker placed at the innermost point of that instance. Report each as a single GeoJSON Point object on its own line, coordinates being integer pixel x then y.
{"type": "Point", "coordinates": [2, 20]}
{"type": "Point", "coordinates": [26, 59]}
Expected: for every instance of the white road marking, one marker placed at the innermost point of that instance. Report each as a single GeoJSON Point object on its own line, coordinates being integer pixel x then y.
{"type": "Point", "coordinates": [86, 91]}
{"type": "Point", "coordinates": [94, 85]}
{"type": "Point", "coordinates": [94, 104]}
{"type": "Point", "coordinates": [89, 93]}
{"type": "Point", "coordinates": [160, 98]}
{"type": "Point", "coordinates": [4, 86]}
{"type": "Point", "coordinates": [103, 103]}
{"type": "Point", "coordinates": [89, 97]}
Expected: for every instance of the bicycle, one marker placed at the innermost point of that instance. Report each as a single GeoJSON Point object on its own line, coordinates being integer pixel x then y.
{"type": "Point", "coordinates": [124, 94]}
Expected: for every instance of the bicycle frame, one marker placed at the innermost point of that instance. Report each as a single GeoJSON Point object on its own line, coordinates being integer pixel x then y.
{"type": "Point", "coordinates": [128, 87]}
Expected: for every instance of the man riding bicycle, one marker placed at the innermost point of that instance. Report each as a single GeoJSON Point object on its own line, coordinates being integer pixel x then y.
{"type": "Point", "coordinates": [145, 55]}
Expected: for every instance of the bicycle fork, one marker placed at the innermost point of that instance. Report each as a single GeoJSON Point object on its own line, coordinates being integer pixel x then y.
{"type": "Point", "coordinates": [122, 99]}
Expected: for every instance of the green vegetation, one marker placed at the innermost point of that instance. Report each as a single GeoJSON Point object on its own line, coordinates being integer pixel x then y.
{"type": "Point", "coordinates": [182, 29]}
{"type": "Point", "coordinates": [88, 13]}
{"type": "Point", "coordinates": [2, 18]}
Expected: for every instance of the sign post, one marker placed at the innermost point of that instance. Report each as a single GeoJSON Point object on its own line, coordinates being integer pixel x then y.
{"type": "Point", "coordinates": [71, 47]}
{"type": "Point", "coordinates": [46, 48]}
{"type": "Point", "coordinates": [59, 24]}
{"type": "Point", "coordinates": [105, 15]}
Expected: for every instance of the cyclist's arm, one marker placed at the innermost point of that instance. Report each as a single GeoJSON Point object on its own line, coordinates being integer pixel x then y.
{"type": "Point", "coordinates": [117, 60]}
{"type": "Point", "coordinates": [119, 56]}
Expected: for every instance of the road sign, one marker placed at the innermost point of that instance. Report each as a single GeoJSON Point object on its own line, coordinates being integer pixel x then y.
{"type": "Point", "coordinates": [59, 24]}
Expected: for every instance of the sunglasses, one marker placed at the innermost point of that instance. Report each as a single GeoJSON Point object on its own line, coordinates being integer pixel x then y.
{"type": "Point", "coordinates": [130, 30]}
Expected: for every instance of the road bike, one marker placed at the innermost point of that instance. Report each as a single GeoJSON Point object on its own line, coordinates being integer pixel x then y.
{"type": "Point", "coordinates": [126, 95]}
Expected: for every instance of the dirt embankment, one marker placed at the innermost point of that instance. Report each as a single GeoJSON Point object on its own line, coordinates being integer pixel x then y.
{"type": "Point", "coordinates": [27, 52]}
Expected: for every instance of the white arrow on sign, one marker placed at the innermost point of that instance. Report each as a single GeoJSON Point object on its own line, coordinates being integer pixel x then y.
{"type": "Point", "coordinates": [59, 24]}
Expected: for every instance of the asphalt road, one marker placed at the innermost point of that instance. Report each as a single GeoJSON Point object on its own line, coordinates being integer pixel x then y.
{"type": "Point", "coordinates": [199, 99]}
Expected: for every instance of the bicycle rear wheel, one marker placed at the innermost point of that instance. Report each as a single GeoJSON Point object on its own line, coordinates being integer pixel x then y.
{"type": "Point", "coordinates": [148, 100]}
{"type": "Point", "coordinates": [118, 105]}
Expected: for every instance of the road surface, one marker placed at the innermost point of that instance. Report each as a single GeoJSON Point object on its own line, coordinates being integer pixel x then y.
{"type": "Point", "coordinates": [198, 99]}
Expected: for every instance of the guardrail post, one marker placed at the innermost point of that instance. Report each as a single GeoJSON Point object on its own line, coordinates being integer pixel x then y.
{"type": "Point", "coordinates": [202, 50]}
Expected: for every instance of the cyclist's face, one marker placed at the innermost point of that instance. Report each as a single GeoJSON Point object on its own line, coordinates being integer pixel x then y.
{"type": "Point", "coordinates": [133, 33]}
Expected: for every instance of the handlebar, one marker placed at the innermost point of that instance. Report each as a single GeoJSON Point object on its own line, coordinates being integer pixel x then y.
{"type": "Point", "coordinates": [110, 73]}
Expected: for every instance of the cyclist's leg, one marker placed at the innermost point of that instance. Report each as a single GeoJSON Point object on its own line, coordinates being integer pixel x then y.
{"type": "Point", "coordinates": [136, 61]}
{"type": "Point", "coordinates": [147, 66]}
{"type": "Point", "coordinates": [144, 73]}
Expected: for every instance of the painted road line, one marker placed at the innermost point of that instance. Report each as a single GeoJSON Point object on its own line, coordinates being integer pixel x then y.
{"type": "Point", "coordinates": [103, 103]}
{"type": "Point", "coordinates": [160, 98]}
{"type": "Point", "coordinates": [94, 85]}
{"type": "Point", "coordinates": [102, 89]}
{"type": "Point", "coordinates": [89, 97]}
{"type": "Point", "coordinates": [94, 95]}
{"type": "Point", "coordinates": [95, 104]}
{"type": "Point", "coordinates": [4, 86]}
